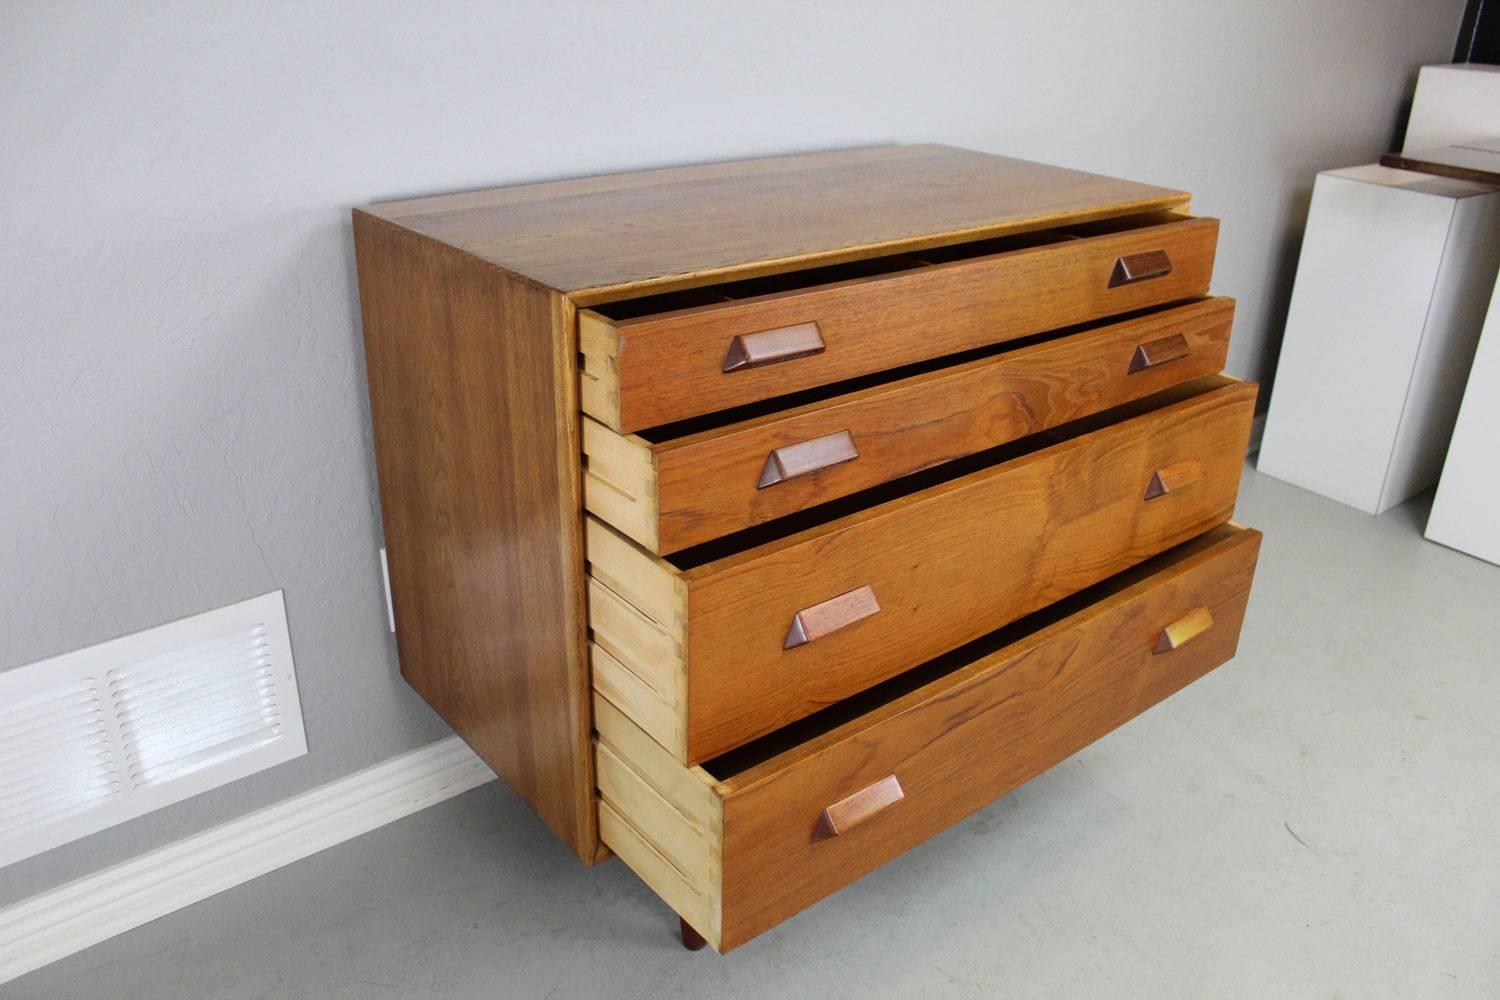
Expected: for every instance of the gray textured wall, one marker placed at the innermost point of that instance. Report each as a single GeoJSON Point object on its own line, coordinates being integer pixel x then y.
{"type": "Point", "coordinates": [182, 403]}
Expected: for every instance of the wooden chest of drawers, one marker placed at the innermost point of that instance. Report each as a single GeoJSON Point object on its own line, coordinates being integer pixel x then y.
{"type": "Point", "coordinates": [757, 521]}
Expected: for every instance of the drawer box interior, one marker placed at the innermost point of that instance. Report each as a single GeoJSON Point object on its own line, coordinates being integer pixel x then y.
{"type": "Point", "coordinates": [746, 839]}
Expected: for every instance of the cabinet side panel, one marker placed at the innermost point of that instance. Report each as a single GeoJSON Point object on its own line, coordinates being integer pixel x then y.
{"type": "Point", "coordinates": [474, 401]}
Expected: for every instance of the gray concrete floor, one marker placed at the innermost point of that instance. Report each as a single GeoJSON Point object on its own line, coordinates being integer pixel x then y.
{"type": "Point", "coordinates": [1316, 819]}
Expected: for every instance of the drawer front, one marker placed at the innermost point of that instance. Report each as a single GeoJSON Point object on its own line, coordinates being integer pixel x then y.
{"type": "Point", "coordinates": [949, 564]}
{"type": "Point", "coordinates": [742, 843]}
{"type": "Point", "coordinates": [656, 369]}
{"type": "Point", "coordinates": [925, 762]}
{"type": "Point", "coordinates": [684, 491]}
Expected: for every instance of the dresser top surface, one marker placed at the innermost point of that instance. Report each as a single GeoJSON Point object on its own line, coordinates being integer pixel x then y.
{"type": "Point", "coordinates": [618, 236]}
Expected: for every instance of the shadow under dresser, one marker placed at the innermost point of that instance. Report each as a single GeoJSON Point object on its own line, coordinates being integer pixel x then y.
{"type": "Point", "coordinates": [757, 521]}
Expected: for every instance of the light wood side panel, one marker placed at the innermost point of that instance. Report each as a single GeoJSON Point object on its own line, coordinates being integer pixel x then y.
{"type": "Point", "coordinates": [682, 839]}
{"type": "Point", "coordinates": [650, 584]}
{"type": "Point", "coordinates": [705, 485]}
{"type": "Point", "coordinates": [659, 711]}
{"type": "Point", "coordinates": [637, 615]}
{"type": "Point", "coordinates": [664, 820]}
{"type": "Point", "coordinates": [622, 235]}
{"type": "Point", "coordinates": [975, 735]}
{"type": "Point", "coordinates": [599, 377]}
{"type": "Point", "coordinates": [642, 856]}
{"type": "Point", "coordinates": [690, 789]}
{"type": "Point", "coordinates": [671, 366]}
{"type": "Point", "coordinates": [619, 482]}
{"type": "Point", "coordinates": [473, 395]}
{"type": "Point", "coordinates": [640, 642]}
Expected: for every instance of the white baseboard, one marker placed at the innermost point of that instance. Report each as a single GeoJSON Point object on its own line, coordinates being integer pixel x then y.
{"type": "Point", "coordinates": [70, 918]}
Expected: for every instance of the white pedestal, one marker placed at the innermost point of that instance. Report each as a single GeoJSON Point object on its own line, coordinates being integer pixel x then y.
{"type": "Point", "coordinates": [1466, 512]}
{"type": "Point", "coordinates": [1395, 274]}
{"type": "Point", "coordinates": [1454, 105]}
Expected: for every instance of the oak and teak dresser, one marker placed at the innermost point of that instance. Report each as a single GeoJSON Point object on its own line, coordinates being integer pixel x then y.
{"type": "Point", "coordinates": [757, 521]}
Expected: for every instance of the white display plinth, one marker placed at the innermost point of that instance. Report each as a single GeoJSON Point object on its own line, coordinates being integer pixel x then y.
{"type": "Point", "coordinates": [1392, 285]}
{"type": "Point", "coordinates": [1466, 512]}
{"type": "Point", "coordinates": [1454, 105]}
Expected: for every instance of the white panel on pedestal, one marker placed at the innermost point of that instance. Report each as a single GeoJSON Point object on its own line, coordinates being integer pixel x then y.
{"type": "Point", "coordinates": [1394, 276]}
{"type": "Point", "coordinates": [1453, 105]}
{"type": "Point", "coordinates": [1466, 511]}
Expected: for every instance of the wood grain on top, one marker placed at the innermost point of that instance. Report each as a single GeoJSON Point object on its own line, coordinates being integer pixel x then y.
{"type": "Point", "coordinates": [619, 236]}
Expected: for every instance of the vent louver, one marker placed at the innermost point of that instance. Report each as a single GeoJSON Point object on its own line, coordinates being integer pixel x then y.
{"type": "Point", "coordinates": [190, 709]}
{"type": "Point", "coordinates": [56, 757]}
{"type": "Point", "coordinates": [92, 738]}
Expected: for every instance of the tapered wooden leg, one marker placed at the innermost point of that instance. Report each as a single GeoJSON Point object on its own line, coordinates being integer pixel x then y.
{"type": "Point", "coordinates": [691, 939]}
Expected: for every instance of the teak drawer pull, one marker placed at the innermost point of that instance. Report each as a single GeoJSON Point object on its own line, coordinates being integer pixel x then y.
{"type": "Point", "coordinates": [793, 460]}
{"type": "Point", "coordinates": [751, 350]}
{"type": "Point", "coordinates": [1158, 352]}
{"type": "Point", "coordinates": [1184, 629]}
{"type": "Point", "coordinates": [1173, 477]}
{"type": "Point", "coordinates": [852, 810]}
{"type": "Point", "coordinates": [1140, 267]}
{"type": "Point", "coordinates": [830, 616]}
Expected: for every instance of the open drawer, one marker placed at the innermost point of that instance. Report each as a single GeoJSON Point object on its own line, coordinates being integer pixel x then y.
{"type": "Point", "coordinates": [743, 842]}
{"type": "Point", "coordinates": [657, 360]}
{"type": "Point", "coordinates": [677, 486]}
{"type": "Point", "coordinates": [719, 644]}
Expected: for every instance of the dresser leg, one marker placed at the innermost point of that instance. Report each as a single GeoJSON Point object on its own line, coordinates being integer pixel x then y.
{"type": "Point", "coordinates": [691, 939]}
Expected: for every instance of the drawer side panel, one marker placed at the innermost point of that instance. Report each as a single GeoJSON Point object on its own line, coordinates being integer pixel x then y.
{"type": "Point", "coordinates": [664, 820]}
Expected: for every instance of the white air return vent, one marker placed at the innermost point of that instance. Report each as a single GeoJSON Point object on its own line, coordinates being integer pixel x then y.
{"type": "Point", "coordinates": [92, 738]}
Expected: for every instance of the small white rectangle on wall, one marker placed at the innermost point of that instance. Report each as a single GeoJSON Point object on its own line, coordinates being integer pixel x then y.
{"type": "Point", "coordinates": [94, 737]}
{"type": "Point", "coordinates": [385, 576]}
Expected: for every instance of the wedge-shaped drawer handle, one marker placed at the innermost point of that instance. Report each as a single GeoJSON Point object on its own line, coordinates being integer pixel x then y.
{"type": "Point", "coordinates": [1173, 477]}
{"type": "Point", "coordinates": [852, 810]}
{"type": "Point", "coordinates": [1185, 629]}
{"type": "Point", "coordinates": [1135, 267]}
{"type": "Point", "coordinates": [767, 347]}
{"type": "Point", "coordinates": [1159, 352]}
{"type": "Point", "coordinates": [830, 616]}
{"type": "Point", "coordinates": [807, 457]}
